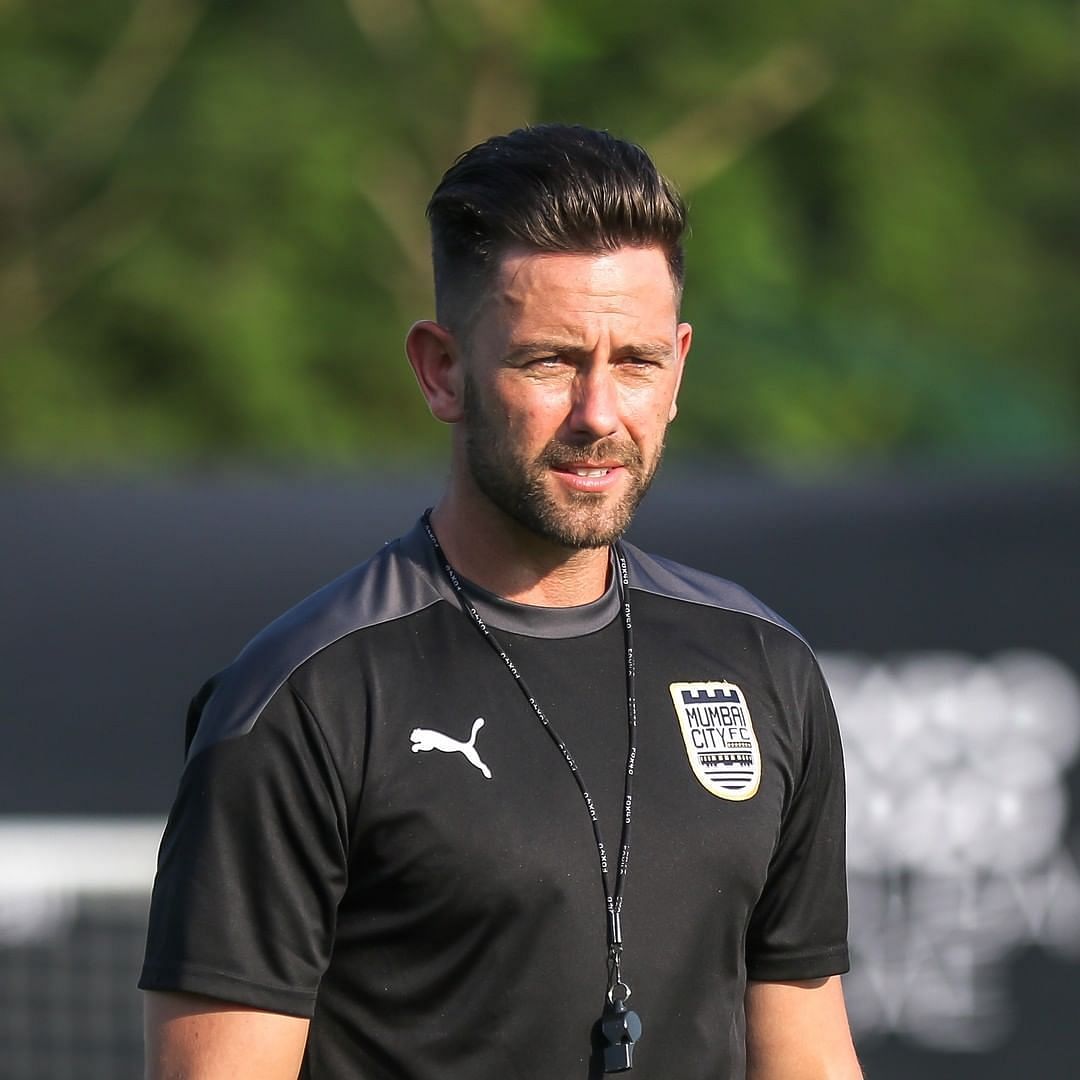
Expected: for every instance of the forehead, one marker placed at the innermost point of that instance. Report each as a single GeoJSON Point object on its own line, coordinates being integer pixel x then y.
{"type": "Point", "coordinates": [568, 292]}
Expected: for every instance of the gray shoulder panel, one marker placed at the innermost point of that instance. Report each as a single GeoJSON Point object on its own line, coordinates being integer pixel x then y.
{"type": "Point", "coordinates": [663, 577]}
{"type": "Point", "coordinates": [393, 583]}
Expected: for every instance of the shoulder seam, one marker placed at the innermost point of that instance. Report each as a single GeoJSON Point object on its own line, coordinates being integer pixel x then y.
{"type": "Point", "coordinates": [285, 679]}
{"type": "Point", "coordinates": [777, 622]}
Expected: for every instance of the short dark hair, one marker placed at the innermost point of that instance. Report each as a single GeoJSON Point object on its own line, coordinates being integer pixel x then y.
{"type": "Point", "coordinates": [549, 188]}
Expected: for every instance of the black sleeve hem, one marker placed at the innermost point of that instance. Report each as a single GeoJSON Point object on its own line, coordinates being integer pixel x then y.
{"type": "Point", "coordinates": [229, 988]}
{"type": "Point", "coordinates": [784, 967]}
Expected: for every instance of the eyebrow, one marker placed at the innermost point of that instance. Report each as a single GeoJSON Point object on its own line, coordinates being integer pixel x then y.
{"type": "Point", "coordinates": [543, 347]}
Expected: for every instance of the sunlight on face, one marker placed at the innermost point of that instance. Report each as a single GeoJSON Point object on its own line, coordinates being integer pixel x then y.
{"type": "Point", "coordinates": [575, 361]}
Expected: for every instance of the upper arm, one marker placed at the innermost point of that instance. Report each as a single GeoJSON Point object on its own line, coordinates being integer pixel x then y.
{"type": "Point", "coordinates": [253, 865]}
{"type": "Point", "coordinates": [198, 1038]}
{"type": "Point", "coordinates": [799, 1030]}
{"type": "Point", "coordinates": [798, 927]}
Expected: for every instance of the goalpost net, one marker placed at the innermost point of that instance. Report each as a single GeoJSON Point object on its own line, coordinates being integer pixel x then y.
{"type": "Point", "coordinates": [74, 895]}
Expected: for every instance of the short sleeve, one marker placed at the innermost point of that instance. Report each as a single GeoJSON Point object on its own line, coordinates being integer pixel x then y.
{"type": "Point", "coordinates": [798, 929]}
{"type": "Point", "coordinates": [252, 865]}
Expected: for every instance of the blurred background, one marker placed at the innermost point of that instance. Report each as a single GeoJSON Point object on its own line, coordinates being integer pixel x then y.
{"type": "Point", "coordinates": [212, 242]}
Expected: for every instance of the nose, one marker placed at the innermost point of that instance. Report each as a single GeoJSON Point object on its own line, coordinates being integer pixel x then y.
{"type": "Point", "coordinates": [594, 412]}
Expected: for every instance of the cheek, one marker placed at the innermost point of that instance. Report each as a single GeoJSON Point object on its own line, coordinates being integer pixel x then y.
{"type": "Point", "coordinates": [511, 434]}
{"type": "Point", "coordinates": [501, 419]}
{"type": "Point", "coordinates": [647, 415]}
{"type": "Point", "coordinates": [536, 418]}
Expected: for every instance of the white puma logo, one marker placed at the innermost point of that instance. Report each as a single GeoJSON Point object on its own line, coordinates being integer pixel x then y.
{"type": "Point", "coordinates": [426, 739]}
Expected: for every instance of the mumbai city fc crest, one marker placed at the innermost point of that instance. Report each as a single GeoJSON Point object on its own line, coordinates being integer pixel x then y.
{"type": "Point", "coordinates": [719, 737]}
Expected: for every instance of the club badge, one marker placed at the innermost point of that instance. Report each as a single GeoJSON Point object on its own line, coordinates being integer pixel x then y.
{"type": "Point", "coordinates": [719, 737]}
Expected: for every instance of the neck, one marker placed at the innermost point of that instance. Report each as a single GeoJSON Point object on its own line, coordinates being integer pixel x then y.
{"type": "Point", "coordinates": [493, 550]}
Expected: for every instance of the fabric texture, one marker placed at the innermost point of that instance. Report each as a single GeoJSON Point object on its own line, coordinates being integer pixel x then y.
{"type": "Point", "coordinates": [373, 829]}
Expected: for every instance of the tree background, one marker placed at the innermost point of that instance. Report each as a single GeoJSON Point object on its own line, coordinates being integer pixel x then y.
{"type": "Point", "coordinates": [212, 236]}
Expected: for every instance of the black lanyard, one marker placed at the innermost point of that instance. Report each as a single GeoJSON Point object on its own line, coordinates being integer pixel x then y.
{"type": "Point", "coordinates": [618, 991]}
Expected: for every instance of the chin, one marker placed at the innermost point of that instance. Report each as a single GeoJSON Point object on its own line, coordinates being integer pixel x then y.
{"type": "Point", "coordinates": [585, 529]}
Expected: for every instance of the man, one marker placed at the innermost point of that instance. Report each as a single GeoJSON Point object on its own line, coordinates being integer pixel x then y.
{"type": "Point", "coordinates": [448, 814]}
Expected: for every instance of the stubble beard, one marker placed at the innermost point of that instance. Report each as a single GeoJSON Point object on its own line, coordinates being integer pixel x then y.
{"type": "Point", "coordinates": [519, 487]}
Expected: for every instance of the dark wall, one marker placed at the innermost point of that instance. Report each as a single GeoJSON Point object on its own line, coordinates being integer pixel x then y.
{"type": "Point", "coordinates": [119, 597]}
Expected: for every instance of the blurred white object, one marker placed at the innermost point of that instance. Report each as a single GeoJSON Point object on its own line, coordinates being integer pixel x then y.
{"type": "Point", "coordinates": [46, 864]}
{"type": "Point", "coordinates": [957, 850]}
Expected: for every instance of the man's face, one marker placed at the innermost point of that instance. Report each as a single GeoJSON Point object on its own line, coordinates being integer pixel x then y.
{"type": "Point", "coordinates": [571, 376]}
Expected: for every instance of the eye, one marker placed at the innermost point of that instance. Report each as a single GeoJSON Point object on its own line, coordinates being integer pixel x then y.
{"type": "Point", "coordinates": [546, 363]}
{"type": "Point", "coordinates": [634, 362]}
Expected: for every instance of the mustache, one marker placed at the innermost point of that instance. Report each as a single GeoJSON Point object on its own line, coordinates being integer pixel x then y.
{"type": "Point", "coordinates": [611, 451]}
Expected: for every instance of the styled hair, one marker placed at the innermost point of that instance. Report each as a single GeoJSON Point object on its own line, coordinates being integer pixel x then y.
{"type": "Point", "coordinates": [549, 188]}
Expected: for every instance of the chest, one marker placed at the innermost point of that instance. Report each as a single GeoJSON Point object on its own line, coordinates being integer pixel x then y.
{"type": "Point", "coordinates": [463, 788]}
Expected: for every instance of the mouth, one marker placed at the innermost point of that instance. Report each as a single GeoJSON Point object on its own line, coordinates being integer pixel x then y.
{"type": "Point", "coordinates": [602, 469]}
{"type": "Point", "coordinates": [589, 478]}
{"type": "Point", "coordinates": [596, 470]}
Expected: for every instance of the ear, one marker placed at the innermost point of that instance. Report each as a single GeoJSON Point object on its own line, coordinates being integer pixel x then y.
{"type": "Point", "coordinates": [436, 363]}
{"type": "Point", "coordinates": [684, 332]}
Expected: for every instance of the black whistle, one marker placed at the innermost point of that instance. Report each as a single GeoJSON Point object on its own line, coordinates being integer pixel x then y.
{"type": "Point", "coordinates": [620, 1029]}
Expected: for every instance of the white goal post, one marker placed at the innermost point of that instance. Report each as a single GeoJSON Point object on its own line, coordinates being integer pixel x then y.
{"type": "Point", "coordinates": [74, 894]}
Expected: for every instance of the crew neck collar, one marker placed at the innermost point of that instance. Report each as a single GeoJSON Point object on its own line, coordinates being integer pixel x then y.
{"type": "Point", "coordinates": [530, 620]}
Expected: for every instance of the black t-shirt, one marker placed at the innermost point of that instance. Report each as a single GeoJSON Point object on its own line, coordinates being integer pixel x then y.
{"type": "Point", "coordinates": [374, 830]}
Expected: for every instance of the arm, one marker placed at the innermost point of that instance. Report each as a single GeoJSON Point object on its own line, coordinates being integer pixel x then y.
{"type": "Point", "coordinates": [252, 866]}
{"type": "Point", "coordinates": [799, 1031]}
{"type": "Point", "coordinates": [198, 1038]}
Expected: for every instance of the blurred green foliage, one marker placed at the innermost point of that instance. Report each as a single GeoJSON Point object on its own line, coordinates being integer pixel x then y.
{"type": "Point", "coordinates": [212, 236]}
